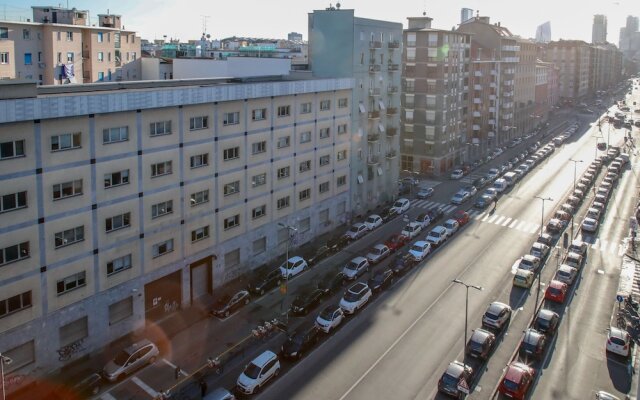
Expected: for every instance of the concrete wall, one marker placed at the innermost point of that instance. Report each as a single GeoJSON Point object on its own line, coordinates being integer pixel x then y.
{"type": "Point", "coordinates": [235, 67]}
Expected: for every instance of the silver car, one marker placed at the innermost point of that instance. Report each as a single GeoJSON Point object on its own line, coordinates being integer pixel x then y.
{"type": "Point", "coordinates": [130, 359]}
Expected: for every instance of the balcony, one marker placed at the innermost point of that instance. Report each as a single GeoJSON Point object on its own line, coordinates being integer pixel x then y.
{"type": "Point", "coordinates": [392, 89]}
{"type": "Point", "coordinates": [373, 160]}
{"type": "Point", "coordinates": [509, 71]}
{"type": "Point", "coordinates": [492, 122]}
{"type": "Point", "coordinates": [477, 73]}
{"type": "Point", "coordinates": [491, 134]}
{"type": "Point", "coordinates": [394, 45]}
{"type": "Point", "coordinates": [391, 131]}
{"type": "Point", "coordinates": [374, 91]}
{"type": "Point", "coordinates": [465, 88]}
{"type": "Point", "coordinates": [492, 97]}
{"type": "Point", "coordinates": [492, 109]}
{"type": "Point", "coordinates": [508, 94]}
{"type": "Point", "coordinates": [374, 68]}
{"type": "Point", "coordinates": [510, 48]}
{"type": "Point", "coordinates": [392, 111]}
{"type": "Point", "coordinates": [477, 100]}
{"type": "Point", "coordinates": [375, 44]}
{"type": "Point", "coordinates": [511, 59]}
{"type": "Point", "coordinates": [393, 67]}
{"type": "Point", "coordinates": [507, 105]}
{"type": "Point", "coordinates": [477, 114]}
{"type": "Point", "coordinates": [391, 154]}
{"type": "Point", "coordinates": [373, 114]}
{"type": "Point", "coordinates": [492, 85]}
{"type": "Point", "coordinates": [372, 61]}
{"type": "Point", "coordinates": [494, 72]}
{"type": "Point", "coordinates": [477, 87]}
{"type": "Point", "coordinates": [476, 127]}
{"type": "Point", "coordinates": [373, 137]}
{"type": "Point", "coordinates": [508, 83]}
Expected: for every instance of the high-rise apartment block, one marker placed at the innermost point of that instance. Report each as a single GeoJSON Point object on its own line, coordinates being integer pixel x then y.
{"type": "Point", "coordinates": [599, 29]}
{"type": "Point", "coordinates": [525, 118]}
{"type": "Point", "coordinates": [60, 47]}
{"type": "Point", "coordinates": [543, 33]}
{"type": "Point", "coordinates": [573, 58]}
{"type": "Point", "coordinates": [368, 51]}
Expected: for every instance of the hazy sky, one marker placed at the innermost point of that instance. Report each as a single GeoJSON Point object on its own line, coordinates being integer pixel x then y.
{"type": "Point", "coordinates": [570, 19]}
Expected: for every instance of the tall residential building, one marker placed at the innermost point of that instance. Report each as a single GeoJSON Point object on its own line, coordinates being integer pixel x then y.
{"type": "Point", "coordinates": [629, 42]}
{"type": "Point", "coordinates": [435, 113]}
{"type": "Point", "coordinates": [122, 205]}
{"type": "Point", "coordinates": [525, 117]}
{"type": "Point", "coordinates": [294, 37]}
{"type": "Point", "coordinates": [599, 29]}
{"type": "Point", "coordinates": [543, 33]}
{"type": "Point", "coordinates": [466, 14]}
{"type": "Point", "coordinates": [369, 51]}
{"type": "Point", "coordinates": [497, 44]}
{"type": "Point", "coordinates": [60, 47]}
{"type": "Point", "coordinates": [573, 58]}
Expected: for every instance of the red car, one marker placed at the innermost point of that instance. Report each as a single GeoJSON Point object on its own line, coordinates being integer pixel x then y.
{"type": "Point", "coordinates": [556, 291]}
{"type": "Point", "coordinates": [461, 216]}
{"type": "Point", "coordinates": [517, 380]}
{"type": "Point", "coordinates": [396, 242]}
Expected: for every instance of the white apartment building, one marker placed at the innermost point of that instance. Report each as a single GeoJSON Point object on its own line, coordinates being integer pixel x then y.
{"type": "Point", "coordinates": [122, 203]}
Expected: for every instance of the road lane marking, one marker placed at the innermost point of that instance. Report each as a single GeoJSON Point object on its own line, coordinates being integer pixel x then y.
{"type": "Point", "coordinates": [478, 216]}
{"type": "Point", "coordinates": [499, 220]}
{"type": "Point", "coordinates": [493, 218]}
{"type": "Point", "coordinates": [513, 224]}
{"type": "Point", "coordinates": [486, 217]}
{"type": "Point", "coordinates": [521, 225]}
{"type": "Point", "coordinates": [505, 223]}
{"type": "Point", "coordinates": [534, 228]}
{"type": "Point", "coordinates": [144, 387]}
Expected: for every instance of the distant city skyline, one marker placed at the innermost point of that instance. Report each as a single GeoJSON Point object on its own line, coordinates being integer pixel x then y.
{"type": "Point", "coordinates": [154, 19]}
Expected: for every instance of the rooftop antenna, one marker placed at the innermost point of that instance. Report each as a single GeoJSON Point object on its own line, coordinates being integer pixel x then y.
{"type": "Point", "coordinates": [204, 23]}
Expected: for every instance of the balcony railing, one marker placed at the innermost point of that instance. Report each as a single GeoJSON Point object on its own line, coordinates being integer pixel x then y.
{"type": "Point", "coordinates": [394, 67]}
{"type": "Point", "coordinates": [477, 87]}
{"type": "Point", "coordinates": [391, 154]}
{"type": "Point", "coordinates": [476, 114]}
{"type": "Point", "coordinates": [392, 89]}
{"type": "Point", "coordinates": [476, 127]}
{"type": "Point", "coordinates": [374, 91]}
{"type": "Point", "coordinates": [373, 137]}
{"type": "Point", "coordinates": [394, 45]}
{"type": "Point", "coordinates": [373, 160]}
{"type": "Point", "coordinates": [492, 122]}
{"type": "Point", "coordinates": [374, 114]}
{"type": "Point", "coordinates": [375, 44]}
{"type": "Point", "coordinates": [477, 101]}
{"type": "Point", "coordinates": [477, 73]}
{"type": "Point", "coordinates": [374, 68]}
{"type": "Point", "coordinates": [391, 131]}
{"type": "Point", "coordinates": [372, 61]}
{"type": "Point", "coordinates": [392, 111]}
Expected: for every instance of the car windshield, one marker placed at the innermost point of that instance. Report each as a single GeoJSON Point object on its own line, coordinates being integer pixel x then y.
{"type": "Point", "coordinates": [563, 274]}
{"type": "Point", "coordinates": [434, 234]}
{"type": "Point", "coordinates": [476, 346]}
{"type": "Point", "coordinates": [617, 341]}
{"type": "Point", "coordinates": [554, 291]}
{"type": "Point", "coordinates": [252, 371]}
{"type": "Point", "coordinates": [491, 315]}
{"type": "Point", "coordinates": [353, 229]}
{"type": "Point", "coordinates": [416, 248]}
{"type": "Point", "coordinates": [351, 265]}
{"type": "Point", "coordinates": [375, 251]}
{"type": "Point", "coordinates": [531, 347]}
{"type": "Point", "coordinates": [397, 204]}
{"type": "Point", "coordinates": [121, 358]}
{"type": "Point", "coordinates": [449, 380]}
{"type": "Point", "coordinates": [327, 314]}
{"type": "Point", "coordinates": [510, 385]}
{"type": "Point", "coordinates": [351, 297]}
{"type": "Point", "coordinates": [371, 220]}
{"type": "Point", "coordinates": [543, 323]}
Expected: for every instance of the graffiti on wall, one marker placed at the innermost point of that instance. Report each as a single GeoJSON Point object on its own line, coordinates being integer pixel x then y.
{"type": "Point", "coordinates": [66, 352]}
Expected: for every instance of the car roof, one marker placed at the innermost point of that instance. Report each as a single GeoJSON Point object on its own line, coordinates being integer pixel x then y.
{"type": "Point", "coordinates": [451, 221]}
{"type": "Point", "coordinates": [358, 259]}
{"type": "Point", "coordinates": [438, 228]}
{"type": "Point", "coordinates": [515, 371]}
{"type": "Point", "coordinates": [137, 346]}
{"type": "Point", "coordinates": [546, 314]}
{"type": "Point", "coordinates": [617, 333]}
{"type": "Point", "coordinates": [565, 267]}
{"type": "Point", "coordinates": [497, 306]}
{"type": "Point", "coordinates": [373, 216]}
{"type": "Point", "coordinates": [523, 272]}
{"type": "Point", "coordinates": [358, 287]}
{"type": "Point", "coordinates": [531, 336]}
{"type": "Point", "coordinates": [529, 257]}
{"type": "Point", "coordinates": [263, 358]}
{"type": "Point", "coordinates": [480, 335]}
{"type": "Point", "coordinates": [295, 259]}
{"type": "Point", "coordinates": [380, 246]}
{"type": "Point", "coordinates": [420, 243]}
{"type": "Point", "coordinates": [557, 284]}
{"type": "Point", "coordinates": [455, 369]}
{"type": "Point", "coordinates": [538, 244]}
{"type": "Point", "coordinates": [358, 224]}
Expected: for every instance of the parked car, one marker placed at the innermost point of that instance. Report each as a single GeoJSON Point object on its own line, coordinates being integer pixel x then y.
{"type": "Point", "coordinates": [618, 341]}
{"type": "Point", "coordinates": [402, 263]}
{"type": "Point", "coordinates": [330, 318]}
{"type": "Point", "coordinates": [355, 298]}
{"type": "Point", "coordinates": [437, 236]}
{"type": "Point", "coordinates": [300, 341]}
{"type": "Point", "coordinates": [545, 239]}
{"type": "Point", "coordinates": [227, 304]}
{"type": "Point", "coordinates": [395, 242]}
{"type": "Point", "coordinates": [483, 202]}
{"type": "Point", "coordinates": [84, 388]}
{"type": "Point", "coordinates": [451, 225]}
{"type": "Point", "coordinates": [589, 225]}
{"type": "Point", "coordinates": [293, 266]}
{"type": "Point", "coordinates": [356, 231]}
{"type": "Point", "coordinates": [532, 345]}
{"type": "Point", "coordinates": [307, 301]}
{"type": "Point", "coordinates": [566, 274]}
{"type": "Point", "coordinates": [450, 380]}
{"type": "Point", "coordinates": [332, 281]}
{"type": "Point", "coordinates": [497, 315]}
{"type": "Point", "coordinates": [480, 344]}
{"type": "Point", "coordinates": [378, 253]}
{"type": "Point", "coordinates": [546, 321]}
{"type": "Point", "coordinates": [573, 260]}
{"type": "Point", "coordinates": [258, 372]}
{"type": "Point", "coordinates": [529, 263]}
{"type": "Point", "coordinates": [373, 221]}
{"type": "Point", "coordinates": [523, 278]}
{"type": "Point", "coordinates": [262, 283]}
{"type": "Point", "coordinates": [578, 247]}
{"type": "Point", "coordinates": [423, 219]}
{"type": "Point", "coordinates": [556, 291]}
{"type": "Point", "coordinates": [356, 267]}
{"type": "Point", "coordinates": [460, 197]}
{"type": "Point", "coordinates": [411, 230]}
{"type": "Point", "coordinates": [130, 360]}
{"type": "Point", "coordinates": [420, 250]}
{"type": "Point", "coordinates": [555, 226]}
{"type": "Point", "coordinates": [400, 206]}
{"type": "Point", "coordinates": [539, 250]}
{"type": "Point", "coordinates": [517, 380]}
{"type": "Point", "coordinates": [457, 174]}
{"type": "Point", "coordinates": [471, 189]}
{"type": "Point", "coordinates": [381, 280]}
{"type": "Point", "coordinates": [461, 216]}
{"type": "Point", "coordinates": [425, 193]}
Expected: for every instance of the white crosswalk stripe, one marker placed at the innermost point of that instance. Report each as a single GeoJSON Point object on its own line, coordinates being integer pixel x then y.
{"type": "Point", "coordinates": [499, 220]}
{"type": "Point", "coordinates": [513, 224]}
{"type": "Point", "coordinates": [506, 222]}
{"type": "Point", "coordinates": [534, 228]}
{"type": "Point", "coordinates": [493, 218]}
{"type": "Point", "coordinates": [479, 216]}
{"type": "Point", "coordinates": [521, 225]}
{"type": "Point", "coordinates": [449, 208]}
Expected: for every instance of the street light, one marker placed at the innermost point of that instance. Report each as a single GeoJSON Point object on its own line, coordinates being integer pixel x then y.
{"type": "Point", "coordinates": [466, 313]}
{"type": "Point", "coordinates": [289, 228]}
{"type": "Point", "coordinates": [541, 225]}
{"type": "Point", "coordinates": [4, 360]}
{"type": "Point", "coordinates": [575, 167]}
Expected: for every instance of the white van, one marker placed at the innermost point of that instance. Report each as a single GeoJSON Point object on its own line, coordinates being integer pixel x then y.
{"type": "Point", "coordinates": [511, 178]}
{"type": "Point", "coordinates": [500, 185]}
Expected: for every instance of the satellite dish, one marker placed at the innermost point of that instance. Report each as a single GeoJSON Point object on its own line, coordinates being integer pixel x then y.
{"type": "Point", "coordinates": [338, 6]}
{"type": "Point", "coordinates": [208, 36]}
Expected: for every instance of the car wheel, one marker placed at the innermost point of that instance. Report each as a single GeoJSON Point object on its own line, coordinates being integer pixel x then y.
{"type": "Point", "coordinates": [152, 360]}
{"type": "Point", "coordinates": [226, 313]}
{"type": "Point", "coordinates": [246, 301]}
{"type": "Point", "coordinates": [275, 374]}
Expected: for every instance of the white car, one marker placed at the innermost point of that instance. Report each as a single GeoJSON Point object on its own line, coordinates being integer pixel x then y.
{"type": "Point", "coordinates": [573, 259]}
{"type": "Point", "coordinates": [355, 298]}
{"type": "Point", "coordinates": [378, 253]}
{"type": "Point", "coordinates": [423, 219]}
{"type": "Point", "coordinates": [373, 221]}
{"type": "Point", "coordinates": [539, 250]}
{"type": "Point", "coordinates": [420, 249]}
{"type": "Point", "coordinates": [594, 213]}
{"type": "Point", "coordinates": [258, 372]}
{"type": "Point", "coordinates": [131, 359]}
{"type": "Point", "coordinates": [589, 225]}
{"type": "Point", "coordinates": [400, 206]}
{"type": "Point", "coordinates": [329, 318]}
{"type": "Point", "coordinates": [451, 225]}
{"type": "Point", "coordinates": [529, 263]}
{"type": "Point", "coordinates": [293, 266]}
{"type": "Point", "coordinates": [457, 174]}
{"type": "Point", "coordinates": [356, 231]}
{"type": "Point", "coordinates": [493, 173]}
{"type": "Point", "coordinates": [355, 268]}
{"type": "Point", "coordinates": [618, 341]}
{"type": "Point", "coordinates": [566, 274]}
{"type": "Point", "coordinates": [460, 197]}
{"type": "Point", "coordinates": [411, 230]}
{"type": "Point", "coordinates": [437, 236]}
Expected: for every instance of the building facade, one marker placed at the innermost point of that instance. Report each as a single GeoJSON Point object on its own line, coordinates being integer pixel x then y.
{"type": "Point", "coordinates": [573, 58]}
{"type": "Point", "coordinates": [435, 113]}
{"type": "Point", "coordinates": [369, 51]}
{"type": "Point", "coordinates": [599, 29]}
{"type": "Point", "coordinates": [60, 47]}
{"type": "Point", "coordinates": [525, 116]}
{"type": "Point", "coordinates": [119, 207]}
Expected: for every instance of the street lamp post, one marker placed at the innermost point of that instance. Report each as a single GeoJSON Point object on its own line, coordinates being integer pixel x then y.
{"type": "Point", "coordinates": [466, 313]}
{"type": "Point", "coordinates": [4, 360]}
{"type": "Point", "coordinates": [575, 168]}
{"type": "Point", "coordinates": [541, 226]}
{"type": "Point", "coordinates": [289, 228]}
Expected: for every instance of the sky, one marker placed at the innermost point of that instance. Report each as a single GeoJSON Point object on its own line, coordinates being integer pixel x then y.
{"type": "Point", "coordinates": [153, 19]}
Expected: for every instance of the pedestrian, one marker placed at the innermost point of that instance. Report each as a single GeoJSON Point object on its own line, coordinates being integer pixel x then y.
{"type": "Point", "coordinates": [203, 387]}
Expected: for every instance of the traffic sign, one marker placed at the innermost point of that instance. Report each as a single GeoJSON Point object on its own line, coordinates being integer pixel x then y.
{"type": "Point", "coordinates": [463, 386]}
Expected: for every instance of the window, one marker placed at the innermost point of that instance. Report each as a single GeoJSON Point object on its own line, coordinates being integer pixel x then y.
{"type": "Point", "coordinates": [231, 153]}
{"type": "Point", "coordinates": [121, 310]}
{"type": "Point", "coordinates": [200, 233]}
{"type": "Point", "coordinates": [199, 197]}
{"type": "Point", "coordinates": [325, 133]}
{"type": "Point", "coordinates": [259, 245]}
{"type": "Point", "coordinates": [232, 222]}
{"type": "Point", "coordinates": [196, 123]}
{"type": "Point", "coordinates": [305, 137]}
{"type": "Point", "coordinates": [14, 304]}
{"type": "Point", "coordinates": [100, 56]}
{"type": "Point", "coordinates": [259, 212]}
{"type": "Point", "coordinates": [325, 160]}
{"type": "Point", "coordinates": [162, 248]}
{"type": "Point", "coordinates": [284, 141]}
{"type": "Point", "coordinates": [4, 33]}
{"type": "Point", "coordinates": [133, 56]}
{"type": "Point", "coordinates": [119, 264]}
{"type": "Point", "coordinates": [72, 282]}
{"type": "Point", "coordinates": [284, 111]}
{"type": "Point", "coordinates": [342, 154]}
{"type": "Point", "coordinates": [232, 118]}
{"type": "Point", "coordinates": [67, 189]}
{"type": "Point", "coordinates": [160, 128]}
{"type": "Point", "coordinates": [232, 258]}
{"type": "Point", "coordinates": [283, 202]}
{"type": "Point", "coordinates": [65, 141]}
{"type": "Point", "coordinates": [69, 56]}
{"type": "Point", "coordinates": [69, 237]}
{"type": "Point", "coordinates": [100, 76]}
{"type": "Point", "coordinates": [305, 108]}
{"type": "Point", "coordinates": [118, 222]}
{"type": "Point", "coordinates": [13, 253]}
{"type": "Point", "coordinates": [259, 114]}
{"type": "Point", "coordinates": [113, 135]}
{"type": "Point", "coordinates": [283, 172]}
{"type": "Point", "coordinates": [59, 57]}
{"type": "Point", "coordinates": [305, 166]}
{"type": "Point", "coordinates": [27, 59]}
{"type": "Point", "coordinates": [232, 188]}
{"type": "Point", "coordinates": [11, 149]}
{"type": "Point", "coordinates": [324, 187]}
{"type": "Point", "coordinates": [40, 57]}
{"type": "Point", "coordinates": [304, 194]}
{"type": "Point", "coordinates": [161, 169]}
{"type": "Point", "coordinates": [21, 355]}
{"type": "Point", "coordinates": [323, 216]}
{"type": "Point", "coordinates": [100, 37]}
{"type": "Point", "coordinates": [200, 160]}
{"type": "Point", "coordinates": [161, 209]}
{"type": "Point", "coordinates": [116, 178]}
{"type": "Point", "coordinates": [4, 57]}
{"type": "Point", "coordinates": [343, 103]}
{"type": "Point", "coordinates": [325, 105]}
{"type": "Point", "coordinates": [305, 224]}
{"type": "Point", "coordinates": [13, 201]}
{"type": "Point", "coordinates": [258, 147]}
{"type": "Point", "coordinates": [69, 36]}
{"type": "Point", "coordinates": [259, 180]}
{"type": "Point", "coordinates": [342, 180]}
{"type": "Point", "coordinates": [74, 331]}
{"type": "Point", "coordinates": [342, 128]}
{"type": "Point", "coordinates": [109, 59]}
